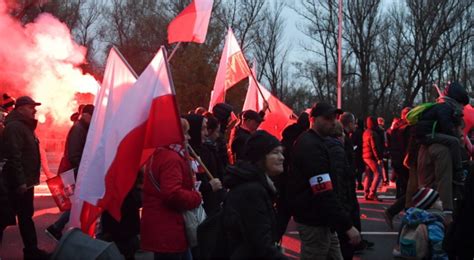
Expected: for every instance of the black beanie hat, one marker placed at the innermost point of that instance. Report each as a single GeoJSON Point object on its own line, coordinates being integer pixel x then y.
{"type": "Point", "coordinates": [222, 111]}
{"type": "Point", "coordinates": [259, 145]}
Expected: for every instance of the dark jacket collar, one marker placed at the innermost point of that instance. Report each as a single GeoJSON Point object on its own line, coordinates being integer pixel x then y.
{"type": "Point", "coordinates": [244, 172]}
{"type": "Point", "coordinates": [16, 116]}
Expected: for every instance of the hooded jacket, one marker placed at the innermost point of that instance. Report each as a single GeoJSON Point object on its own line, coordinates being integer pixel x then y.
{"type": "Point", "coordinates": [75, 142]}
{"type": "Point", "coordinates": [249, 218]}
{"type": "Point", "coordinates": [447, 114]}
{"type": "Point", "coordinates": [21, 149]}
{"type": "Point", "coordinates": [372, 148]}
{"type": "Point", "coordinates": [238, 139]}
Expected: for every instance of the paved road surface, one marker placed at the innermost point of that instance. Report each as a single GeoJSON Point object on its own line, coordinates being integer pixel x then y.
{"type": "Point", "coordinates": [374, 229]}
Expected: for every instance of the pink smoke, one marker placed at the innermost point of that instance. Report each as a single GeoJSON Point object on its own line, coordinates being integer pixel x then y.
{"type": "Point", "coordinates": [41, 59]}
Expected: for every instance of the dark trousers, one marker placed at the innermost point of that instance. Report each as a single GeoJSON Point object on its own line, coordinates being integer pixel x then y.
{"type": "Point", "coordinates": [360, 169]}
{"type": "Point", "coordinates": [23, 206]}
{"type": "Point", "coordinates": [402, 183]}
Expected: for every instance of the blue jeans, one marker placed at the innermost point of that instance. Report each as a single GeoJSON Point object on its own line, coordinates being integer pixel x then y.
{"type": "Point", "coordinates": [186, 255]}
{"type": "Point", "coordinates": [372, 177]}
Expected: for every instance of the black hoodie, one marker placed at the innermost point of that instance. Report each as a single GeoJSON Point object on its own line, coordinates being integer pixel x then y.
{"type": "Point", "coordinates": [249, 216]}
{"type": "Point", "coordinates": [21, 149]}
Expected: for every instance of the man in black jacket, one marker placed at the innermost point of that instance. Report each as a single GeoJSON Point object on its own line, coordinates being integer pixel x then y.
{"type": "Point", "coordinates": [250, 122]}
{"type": "Point", "coordinates": [75, 142]}
{"type": "Point", "coordinates": [310, 191]}
{"type": "Point", "coordinates": [22, 170]}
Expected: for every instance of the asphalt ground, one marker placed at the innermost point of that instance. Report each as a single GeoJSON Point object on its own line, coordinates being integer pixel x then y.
{"type": "Point", "coordinates": [374, 229]}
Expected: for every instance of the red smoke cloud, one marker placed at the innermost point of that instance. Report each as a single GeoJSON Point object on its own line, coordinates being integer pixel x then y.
{"type": "Point", "coordinates": [41, 59]}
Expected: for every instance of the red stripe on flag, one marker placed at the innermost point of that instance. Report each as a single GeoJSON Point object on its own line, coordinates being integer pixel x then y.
{"type": "Point", "coordinates": [89, 215]}
{"type": "Point", "coordinates": [160, 129]}
{"type": "Point", "coordinates": [181, 29]}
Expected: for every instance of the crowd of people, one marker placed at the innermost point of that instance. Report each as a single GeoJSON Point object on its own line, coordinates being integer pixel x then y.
{"type": "Point", "coordinates": [250, 184]}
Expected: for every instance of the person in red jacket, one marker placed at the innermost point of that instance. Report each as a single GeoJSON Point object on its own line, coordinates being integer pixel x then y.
{"type": "Point", "coordinates": [168, 191]}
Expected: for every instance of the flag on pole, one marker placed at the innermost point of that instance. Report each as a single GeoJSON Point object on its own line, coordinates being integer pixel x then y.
{"type": "Point", "coordinates": [133, 134]}
{"type": "Point", "coordinates": [118, 78]}
{"type": "Point", "coordinates": [191, 24]}
{"type": "Point", "coordinates": [232, 68]}
{"type": "Point", "coordinates": [277, 117]}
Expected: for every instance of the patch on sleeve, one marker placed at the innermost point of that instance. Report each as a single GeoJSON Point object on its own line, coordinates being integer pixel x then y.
{"type": "Point", "coordinates": [320, 183]}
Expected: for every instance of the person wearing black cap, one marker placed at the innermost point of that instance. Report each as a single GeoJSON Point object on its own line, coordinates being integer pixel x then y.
{"type": "Point", "coordinates": [248, 214]}
{"type": "Point", "coordinates": [75, 142]}
{"type": "Point", "coordinates": [250, 122]}
{"type": "Point", "coordinates": [22, 170]}
{"type": "Point", "coordinates": [310, 192]}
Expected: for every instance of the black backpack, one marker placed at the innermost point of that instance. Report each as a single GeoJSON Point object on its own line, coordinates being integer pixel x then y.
{"type": "Point", "coordinates": [212, 241]}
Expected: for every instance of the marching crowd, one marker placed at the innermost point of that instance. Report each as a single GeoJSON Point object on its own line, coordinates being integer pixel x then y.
{"type": "Point", "coordinates": [243, 185]}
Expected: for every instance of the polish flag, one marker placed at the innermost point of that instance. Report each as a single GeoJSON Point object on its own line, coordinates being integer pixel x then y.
{"type": "Point", "coordinates": [118, 78]}
{"type": "Point", "coordinates": [277, 117]}
{"type": "Point", "coordinates": [191, 24]}
{"type": "Point", "coordinates": [146, 118]}
{"type": "Point", "coordinates": [232, 69]}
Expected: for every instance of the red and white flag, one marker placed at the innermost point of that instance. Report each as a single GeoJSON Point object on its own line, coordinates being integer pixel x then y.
{"type": "Point", "coordinates": [277, 117]}
{"type": "Point", "coordinates": [191, 24]}
{"type": "Point", "coordinates": [146, 117]}
{"type": "Point", "coordinates": [117, 80]}
{"type": "Point", "coordinates": [232, 69]}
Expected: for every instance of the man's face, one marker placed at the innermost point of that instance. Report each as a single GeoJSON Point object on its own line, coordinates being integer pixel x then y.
{"type": "Point", "coordinates": [28, 110]}
{"type": "Point", "coordinates": [324, 125]}
{"type": "Point", "coordinates": [86, 117]}
{"type": "Point", "coordinates": [252, 125]}
{"type": "Point", "coordinates": [352, 126]}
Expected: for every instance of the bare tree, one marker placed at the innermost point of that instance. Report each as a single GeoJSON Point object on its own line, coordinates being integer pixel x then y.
{"type": "Point", "coordinates": [271, 51]}
{"type": "Point", "coordinates": [428, 24]}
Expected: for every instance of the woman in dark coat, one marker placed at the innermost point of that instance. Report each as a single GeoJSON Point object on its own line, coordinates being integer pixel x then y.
{"type": "Point", "coordinates": [249, 218]}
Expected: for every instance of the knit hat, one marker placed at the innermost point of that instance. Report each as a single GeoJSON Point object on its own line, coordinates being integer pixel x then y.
{"type": "Point", "coordinates": [7, 102]}
{"type": "Point", "coordinates": [457, 92]}
{"type": "Point", "coordinates": [424, 198]}
{"type": "Point", "coordinates": [222, 111]}
{"type": "Point", "coordinates": [89, 109]}
{"type": "Point", "coordinates": [259, 145]}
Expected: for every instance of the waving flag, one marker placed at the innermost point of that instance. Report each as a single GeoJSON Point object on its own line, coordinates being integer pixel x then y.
{"type": "Point", "coordinates": [277, 117]}
{"type": "Point", "coordinates": [191, 24]}
{"type": "Point", "coordinates": [232, 68]}
{"type": "Point", "coordinates": [131, 136]}
{"type": "Point", "coordinates": [118, 78]}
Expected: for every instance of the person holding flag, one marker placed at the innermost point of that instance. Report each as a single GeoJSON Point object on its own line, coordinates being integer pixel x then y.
{"type": "Point", "coordinates": [168, 191]}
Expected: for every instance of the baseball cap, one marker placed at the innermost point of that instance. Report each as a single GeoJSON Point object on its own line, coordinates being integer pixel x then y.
{"type": "Point", "coordinates": [89, 109]}
{"type": "Point", "coordinates": [252, 115]}
{"type": "Point", "coordinates": [25, 100]}
{"type": "Point", "coordinates": [324, 109]}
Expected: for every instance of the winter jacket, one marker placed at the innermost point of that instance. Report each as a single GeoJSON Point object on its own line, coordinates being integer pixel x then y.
{"type": "Point", "coordinates": [342, 175]}
{"type": "Point", "coordinates": [349, 149]}
{"type": "Point", "coordinates": [317, 204]}
{"type": "Point", "coordinates": [398, 143]}
{"type": "Point", "coordinates": [372, 145]}
{"type": "Point", "coordinates": [249, 218]}
{"type": "Point", "coordinates": [75, 142]}
{"type": "Point", "coordinates": [237, 142]}
{"type": "Point", "coordinates": [162, 224]}
{"type": "Point", "coordinates": [357, 142]}
{"type": "Point", "coordinates": [212, 199]}
{"type": "Point", "coordinates": [462, 229]}
{"type": "Point", "coordinates": [21, 149]}
{"type": "Point", "coordinates": [444, 117]}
